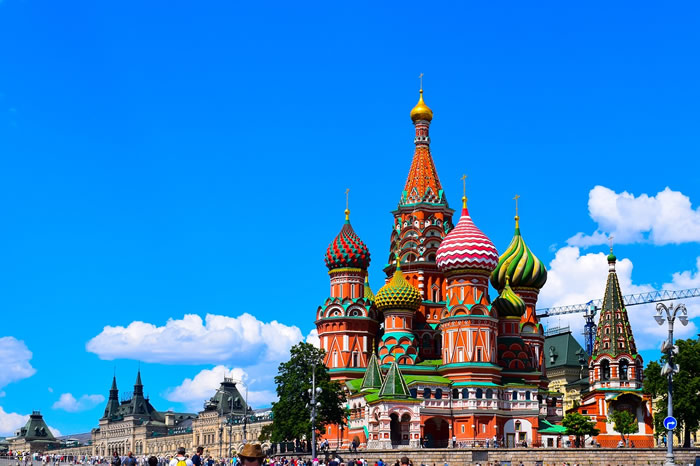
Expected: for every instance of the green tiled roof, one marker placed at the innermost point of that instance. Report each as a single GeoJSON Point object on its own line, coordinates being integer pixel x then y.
{"type": "Point", "coordinates": [549, 428]}
{"type": "Point", "coordinates": [373, 375]}
{"type": "Point", "coordinates": [430, 362]}
{"type": "Point", "coordinates": [564, 347]}
{"type": "Point", "coordinates": [432, 379]}
{"type": "Point", "coordinates": [394, 385]}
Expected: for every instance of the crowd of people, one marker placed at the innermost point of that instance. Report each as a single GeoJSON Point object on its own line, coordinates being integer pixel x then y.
{"type": "Point", "coordinates": [250, 455]}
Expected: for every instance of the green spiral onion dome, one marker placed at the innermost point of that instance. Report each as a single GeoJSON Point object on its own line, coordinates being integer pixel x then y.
{"type": "Point", "coordinates": [398, 294]}
{"type": "Point", "coordinates": [519, 265]}
{"type": "Point", "coordinates": [509, 304]}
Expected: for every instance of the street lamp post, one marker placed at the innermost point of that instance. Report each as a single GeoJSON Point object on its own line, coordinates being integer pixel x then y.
{"type": "Point", "coordinates": [314, 391]}
{"type": "Point", "coordinates": [670, 368]}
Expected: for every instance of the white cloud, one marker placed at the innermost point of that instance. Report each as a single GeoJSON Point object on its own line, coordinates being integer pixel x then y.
{"type": "Point", "coordinates": [192, 341]}
{"type": "Point", "coordinates": [10, 422]}
{"type": "Point", "coordinates": [313, 339]}
{"type": "Point", "coordinates": [193, 392]}
{"type": "Point", "coordinates": [667, 218]}
{"type": "Point", "coordinates": [15, 357]}
{"type": "Point", "coordinates": [55, 432]}
{"type": "Point", "coordinates": [574, 279]}
{"type": "Point", "coordinates": [67, 402]}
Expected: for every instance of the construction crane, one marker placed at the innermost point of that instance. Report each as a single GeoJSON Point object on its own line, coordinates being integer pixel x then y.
{"type": "Point", "coordinates": [591, 308]}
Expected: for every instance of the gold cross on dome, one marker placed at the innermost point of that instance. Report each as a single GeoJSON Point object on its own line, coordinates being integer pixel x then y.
{"type": "Point", "coordinates": [421, 81]}
{"type": "Point", "coordinates": [347, 198]}
{"type": "Point", "coordinates": [517, 196]}
{"type": "Point", "coordinates": [464, 184]}
{"type": "Point", "coordinates": [610, 239]}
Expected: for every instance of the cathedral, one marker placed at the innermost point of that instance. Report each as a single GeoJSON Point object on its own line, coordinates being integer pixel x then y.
{"type": "Point", "coordinates": [431, 358]}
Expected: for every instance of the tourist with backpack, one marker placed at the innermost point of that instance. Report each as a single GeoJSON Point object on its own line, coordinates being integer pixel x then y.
{"type": "Point", "coordinates": [180, 459]}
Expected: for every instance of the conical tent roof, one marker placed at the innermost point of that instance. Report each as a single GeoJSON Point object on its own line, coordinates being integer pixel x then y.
{"type": "Point", "coordinates": [373, 375]}
{"type": "Point", "coordinates": [394, 385]}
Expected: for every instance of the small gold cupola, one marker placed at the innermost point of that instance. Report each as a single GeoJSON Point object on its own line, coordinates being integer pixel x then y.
{"type": "Point", "coordinates": [421, 111]}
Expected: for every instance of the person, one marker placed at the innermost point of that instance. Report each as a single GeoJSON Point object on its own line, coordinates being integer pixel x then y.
{"type": "Point", "coordinates": [454, 441]}
{"type": "Point", "coordinates": [197, 457]}
{"type": "Point", "coordinates": [116, 461]}
{"type": "Point", "coordinates": [152, 461]}
{"type": "Point", "coordinates": [251, 455]}
{"type": "Point", "coordinates": [129, 460]}
{"type": "Point", "coordinates": [180, 459]}
{"type": "Point", "coordinates": [405, 461]}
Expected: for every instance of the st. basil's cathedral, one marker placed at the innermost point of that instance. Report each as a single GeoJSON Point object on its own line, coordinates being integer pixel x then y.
{"type": "Point", "coordinates": [431, 359]}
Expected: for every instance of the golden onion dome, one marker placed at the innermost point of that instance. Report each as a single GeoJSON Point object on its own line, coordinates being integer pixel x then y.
{"type": "Point", "coordinates": [421, 111]}
{"type": "Point", "coordinates": [398, 293]}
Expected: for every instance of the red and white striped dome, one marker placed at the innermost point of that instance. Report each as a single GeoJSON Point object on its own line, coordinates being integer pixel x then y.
{"type": "Point", "coordinates": [466, 247]}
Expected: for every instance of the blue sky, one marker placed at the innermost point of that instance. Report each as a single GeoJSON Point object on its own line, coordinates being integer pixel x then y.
{"type": "Point", "coordinates": [165, 159]}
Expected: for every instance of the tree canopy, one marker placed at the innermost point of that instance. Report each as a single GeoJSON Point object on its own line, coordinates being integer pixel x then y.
{"type": "Point", "coordinates": [625, 423]}
{"type": "Point", "coordinates": [291, 416]}
{"type": "Point", "coordinates": [686, 386]}
{"type": "Point", "coordinates": [579, 426]}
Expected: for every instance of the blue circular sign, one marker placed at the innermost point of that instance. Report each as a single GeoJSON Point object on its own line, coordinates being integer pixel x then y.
{"type": "Point", "coordinates": [670, 423]}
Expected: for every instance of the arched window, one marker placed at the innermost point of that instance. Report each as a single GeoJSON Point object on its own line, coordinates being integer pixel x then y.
{"type": "Point", "coordinates": [623, 367]}
{"type": "Point", "coordinates": [527, 396]}
{"type": "Point", "coordinates": [414, 392]}
{"type": "Point", "coordinates": [465, 393]}
{"type": "Point", "coordinates": [426, 393]}
{"type": "Point", "coordinates": [427, 343]}
{"type": "Point", "coordinates": [436, 290]}
{"type": "Point", "coordinates": [438, 393]}
{"type": "Point", "coordinates": [479, 393]}
{"type": "Point", "coordinates": [455, 393]}
{"type": "Point", "coordinates": [515, 395]}
{"type": "Point", "coordinates": [605, 370]}
{"type": "Point", "coordinates": [489, 394]}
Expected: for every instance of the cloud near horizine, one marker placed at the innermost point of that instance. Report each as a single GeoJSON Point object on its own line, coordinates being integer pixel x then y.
{"type": "Point", "coordinates": [179, 341]}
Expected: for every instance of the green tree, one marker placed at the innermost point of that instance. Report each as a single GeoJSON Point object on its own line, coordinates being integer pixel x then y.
{"type": "Point", "coordinates": [686, 387]}
{"type": "Point", "coordinates": [625, 423]}
{"type": "Point", "coordinates": [291, 416]}
{"type": "Point", "coordinates": [579, 426]}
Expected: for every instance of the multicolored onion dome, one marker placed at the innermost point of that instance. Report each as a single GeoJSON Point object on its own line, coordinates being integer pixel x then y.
{"type": "Point", "coordinates": [466, 247]}
{"type": "Point", "coordinates": [519, 265]}
{"type": "Point", "coordinates": [421, 111]}
{"type": "Point", "coordinates": [347, 249]}
{"type": "Point", "coordinates": [509, 304]}
{"type": "Point", "coordinates": [398, 294]}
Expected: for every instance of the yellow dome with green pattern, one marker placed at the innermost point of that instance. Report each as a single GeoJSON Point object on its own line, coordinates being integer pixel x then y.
{"type": "Point", "coordinates": [398, 294]}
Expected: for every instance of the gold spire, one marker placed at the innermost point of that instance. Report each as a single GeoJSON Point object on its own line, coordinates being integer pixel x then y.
{"type": "Point", "coordinates": [464, 191]}
{"type": "Point", "coordinates": [347, 205]}
{"type": "Point", "coordinates": [517, 218]}
{"type": "Point", "coordinates": [421, 111]}
{"type": "Point", "coordinates": [610, 239]}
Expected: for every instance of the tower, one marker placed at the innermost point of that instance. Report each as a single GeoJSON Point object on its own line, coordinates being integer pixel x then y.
{"type": "Point", "coordinates": [113, 400]}
{"type": "Point", "coordinates": [421, 221]}
{"type": "Point", "coordinates": [398, 300]}
{"type": "Point", "coordinates": [524, 274]}
{"type": "Point", "coordinates": [468, 323]}
{"type": "Point", "coordinates": [139, 405]}
{"type": "Point", "coordinates": [347, 321]}
{"type": "Point", "coordinates": [615, 371]}
{"type": "Point", "coordinates": [615, 361]}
